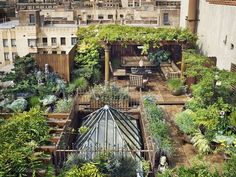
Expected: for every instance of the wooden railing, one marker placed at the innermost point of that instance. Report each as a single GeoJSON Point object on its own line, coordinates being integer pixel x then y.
{"type": "Point", "coordinates": [87, 102]}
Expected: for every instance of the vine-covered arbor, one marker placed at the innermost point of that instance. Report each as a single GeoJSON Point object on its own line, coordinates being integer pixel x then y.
{"type": "Point", "coordinates": [95, 38]}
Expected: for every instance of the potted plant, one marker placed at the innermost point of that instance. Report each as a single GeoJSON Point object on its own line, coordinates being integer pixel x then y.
{"type": "Point", "coordinates": [176, 86]}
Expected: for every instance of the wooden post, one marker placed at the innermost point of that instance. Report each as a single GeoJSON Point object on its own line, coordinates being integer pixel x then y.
{"type": "Point", "coordinates": [182, 63]}
{"type": "Point", "coordinates": [107, 59]}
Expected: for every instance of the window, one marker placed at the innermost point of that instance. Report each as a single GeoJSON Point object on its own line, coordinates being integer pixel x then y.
{"type": "Point", "coordinates": [45, 41]}
{"type": "Point", "coordinates": [166, 19]}
{"type": "Point", "coordinates": [233, 67]}
{"type": "Point", "coordinates": [45, 52]}
{"type": "Point", "coordinates": [54, 41]}
{"type": "Point", "coordinates": [32, 18]}
{"type": "Point", "coordinates": [32, 42]}
{"type": "Point", "coordinates": [121, 16]}
{"type": "Point", "coordinates": [63, 41]}
{"type": "Point", "coordinates": [110, 16]}
{"type": "Point", "coordinates": [100, 17]}
{"type": "Point", "coordinates": [14, 56]}
{"type": "Point", "coordinates": [73, 40]}
{"type": "Point", "coordinates": [63, 52]}
{"type": "Point", "coordinates": [89, 17]}
{"type": "Point", "coordinates": [6, 56]}
{"type": "Point", "coordinates": [13, 42]}
{"type": "Point", "coordinates": [5, 43]}
{"type": "Point", "coordinates": [54, 52]}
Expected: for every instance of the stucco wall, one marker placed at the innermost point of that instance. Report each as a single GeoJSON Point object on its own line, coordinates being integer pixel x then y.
{"type": "Point", "coordinates": [183, 13]}
{"type": "Point", "coordinates": [217, 22]}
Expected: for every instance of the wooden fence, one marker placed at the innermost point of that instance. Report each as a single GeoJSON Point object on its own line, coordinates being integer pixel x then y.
{"type": "Point", "coordinates": [59, 63]}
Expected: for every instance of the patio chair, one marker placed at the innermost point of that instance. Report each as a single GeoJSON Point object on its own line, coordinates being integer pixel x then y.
{"type": "Point", "coordinates": [117, 72]}
{"type": "Point", "coordinates": [137, 81]}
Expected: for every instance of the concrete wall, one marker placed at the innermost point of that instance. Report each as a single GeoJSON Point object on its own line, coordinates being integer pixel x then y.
{"type": "Point", "coordinates": [183, 13]}
{"type": "Point", "coordinates": [217, 22]}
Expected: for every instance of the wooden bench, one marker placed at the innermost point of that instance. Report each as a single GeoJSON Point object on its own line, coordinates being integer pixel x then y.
{"type": "Point", "coordinates": [133, 61]}
{"type": "Point", "coordinates": [117, 72]}
{"type": "Point", "coordinates": [170, 70]}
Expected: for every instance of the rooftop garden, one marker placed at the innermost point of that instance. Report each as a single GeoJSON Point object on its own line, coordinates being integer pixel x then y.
{"type": "Point", "coordinates": [209, 118]}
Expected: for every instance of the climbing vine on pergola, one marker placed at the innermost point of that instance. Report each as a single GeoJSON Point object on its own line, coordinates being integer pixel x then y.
{"type": "Point", "coordinates": [93, 38]}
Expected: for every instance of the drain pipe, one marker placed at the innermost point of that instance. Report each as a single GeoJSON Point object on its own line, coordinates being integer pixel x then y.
{"type": "Point", "coordinates": [192, 15]}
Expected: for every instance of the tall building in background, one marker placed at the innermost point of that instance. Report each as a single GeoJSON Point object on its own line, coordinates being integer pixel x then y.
{"type": "Point", "coordinates": [215, 23]}
{"type": "Point", "coordinates": [49, 26]}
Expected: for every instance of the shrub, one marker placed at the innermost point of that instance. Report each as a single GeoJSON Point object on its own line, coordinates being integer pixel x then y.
{"type": "Point", "coordinates": [63, 105]}
{"type": "Point", "coordinates": [19, 136]}
{"type": "Point", "coordinates": [107, 93]}
{"type": "Point", "coordinates": [157, 125]}
{"type": "Point", "coordinates": [81, 83]}
{"type": "Point", "coordinates": [34, 101]}
{"type": "Point", "coordinates": [229, 168]}
{"type": "Point", "coordinates": [185, 121]}
{"type": "Point", "coordinates": [201, 143]}
{"type": "Point", "coordinates": [175, 84]}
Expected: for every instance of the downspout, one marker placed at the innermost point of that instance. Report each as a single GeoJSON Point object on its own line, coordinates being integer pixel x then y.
{"type": "Point", "coordinates": [192, 17]}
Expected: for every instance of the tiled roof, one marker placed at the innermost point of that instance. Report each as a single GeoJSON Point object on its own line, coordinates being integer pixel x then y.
{"type": "Point", "coordinates": [223, 2]}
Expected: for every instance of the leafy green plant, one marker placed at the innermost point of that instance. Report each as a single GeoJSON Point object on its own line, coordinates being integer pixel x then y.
{"type": "Point", "coordinates": [157, 125]}
{"type": "Point", "coordinates": [201, 143]}
{"type": "Point", "coordinates": [83, 129]}
{"type": "Point", "coordinates": [146, 167]}
{"type": "Point", "coordinates": [19, 136]}
{"type": "Point", "coordinates": [86, 170]}
{"type": "Point", "coordinates": [107, 93]}
{"type": "Point", "coordinates": [185, 121]}
{"type": "Point", "coordinates": [175, 85]}
{"type": "Point", "coordinates": [63, 105]}
{"type": "Point", "coordinates": [160, 56]}
{"type": "Point", "coordinates": [81, 83]}
{"type": "Point", "coordinates": [34, 101]}
{"type": "Point", "coordinates": [229, 168]}
{"type": "Point", "coordinates": [198, 168]}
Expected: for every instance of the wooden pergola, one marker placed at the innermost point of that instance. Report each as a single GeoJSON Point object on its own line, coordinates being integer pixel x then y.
{"type": "Point", "coordinates": [107, 48]}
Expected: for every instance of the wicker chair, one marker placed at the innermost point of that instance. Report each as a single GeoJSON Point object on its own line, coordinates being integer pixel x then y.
{"type": "Point", "coordinates": [137, 81]}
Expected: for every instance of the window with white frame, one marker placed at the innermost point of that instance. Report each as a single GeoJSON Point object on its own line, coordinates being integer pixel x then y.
{"type": "Point", "coordinates": [6, 56]}
{"type": "Point", "coordinates": [73, 40]}
{"type": "Point", "coordinates": [13, 42]}
{"type": "Point", "coordinates": [5, 43]}
{"type": "Point", "coordinates": [63, 41]}
{"type": "Point", "coordinates": [14, 54]}
{"type": "Point", "coordinates": [32, 42]}
{"type": "Point", "coordinates": [54, 41]}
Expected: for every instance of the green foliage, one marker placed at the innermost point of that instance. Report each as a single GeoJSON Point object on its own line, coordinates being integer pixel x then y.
{"type": "Point", "coordinates": [233, 118]}
{"type": "Point", "coordinates": [22, 75]}
{"type": "Point", "coordinates": [63, 105]}
{"type": "Point", "coordinates": [18, 105]}
{"type": "Point", "coordinates": [201, 143]}
{"type": "Point", "coordinates": [157, 125]}
{"type": "Point", "coordinates": [87, 170]}
{"type": "Point", "coordinates": [185, 121]}
{"type": "Point", "coordinates": [229, 168]}
{"type": "Point", "coordinates": [19, 136]}
{"type": "Point", "coordinates": [198, 168]}
{"type": "Point", "coordinates": [124, 34]}
{"type": "Point", "coordinates": [175, 84]}
{"type": "Point", "coordinates": [195, 63]}
{"type": "Point", "coordinates": [159, 56]}
{"type": "Point", "coordinates": [146, 167]}
{"type": "Point", "coordinates": [83, 129]}
{"type": "Point", "coordinates": [102, 165]}
{"type": "Point", "coordinates": [107, 93]}
{"type": "Point", "coordinates": [34, 101]}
